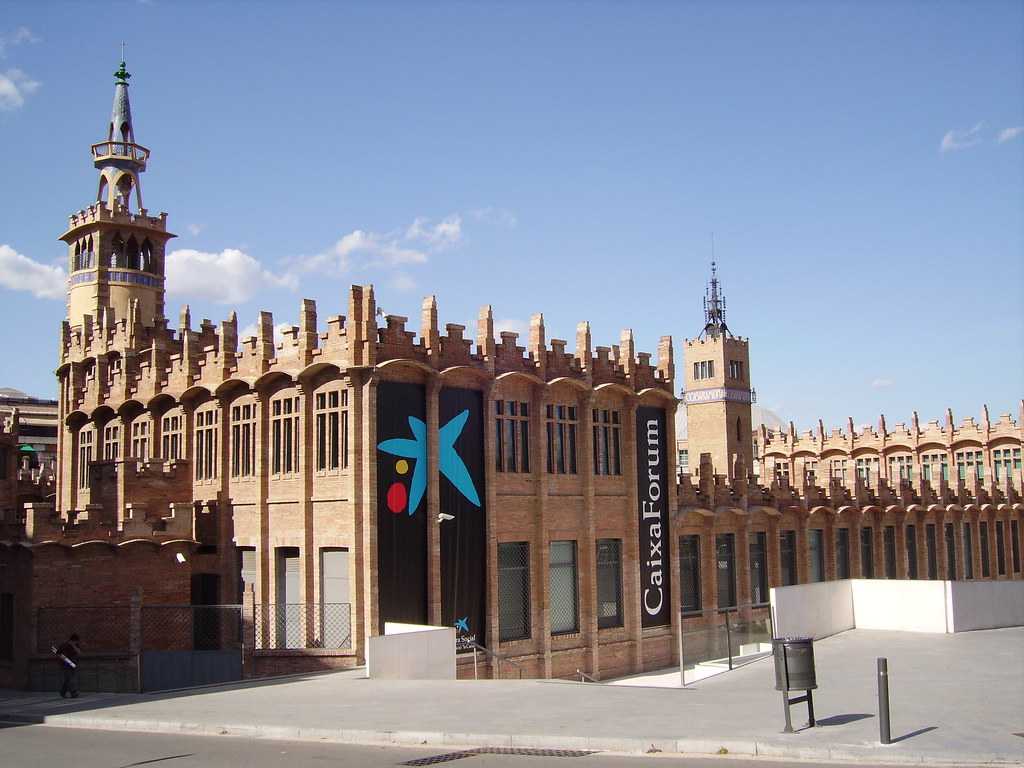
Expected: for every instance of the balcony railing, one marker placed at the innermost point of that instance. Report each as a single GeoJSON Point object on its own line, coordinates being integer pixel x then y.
{"type": "Point", "coordinates": [127, 149]}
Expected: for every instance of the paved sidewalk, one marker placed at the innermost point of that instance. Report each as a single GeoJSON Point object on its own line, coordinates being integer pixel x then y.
{"type": "Point", "coordinates": [956, 699]}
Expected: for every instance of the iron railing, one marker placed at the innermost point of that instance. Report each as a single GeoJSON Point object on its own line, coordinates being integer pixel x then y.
{"type": "Point", "coordinates": [278, 626]}
{"type": "Point", "coordinates": [496, 660]}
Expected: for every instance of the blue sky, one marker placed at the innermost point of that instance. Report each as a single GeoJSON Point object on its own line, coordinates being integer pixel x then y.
{"type": "Point", "coordinates": [861, 166]}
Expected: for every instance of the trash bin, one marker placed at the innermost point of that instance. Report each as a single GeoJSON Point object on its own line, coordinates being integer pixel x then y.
{"type": "Point", "coordinates": [794, 663]}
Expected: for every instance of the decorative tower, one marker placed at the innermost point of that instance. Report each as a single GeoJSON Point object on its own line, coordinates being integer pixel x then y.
{"type": "Point", "coordinates": [717, 391]}
{"type": "Point", "coordinates": [115, 248]}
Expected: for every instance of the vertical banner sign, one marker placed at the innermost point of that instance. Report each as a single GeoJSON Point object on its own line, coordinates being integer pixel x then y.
{"type": "Point", "coordinates": [462, 496]}
{"type": "Point", "coordinates": [401, 503]}
{"type": "Point", "coordinates": [652, 497]}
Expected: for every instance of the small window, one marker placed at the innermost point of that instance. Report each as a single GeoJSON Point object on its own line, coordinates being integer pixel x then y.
{"type": "Point", "coordinates": [609, 583]}
{"type": "Point", "coordinates": [561, 426]}
{"type": "Point", "coordinates": [512, 436]}
{"type": "Point", "coordinates": [787, 553]}
{"type": "Point", "coordinates": [513, 591]}
{"type": "Point", "coordinates": [565, 618]}
{"type": "Point", "coordinates": [689, 573]}
{"type": "Point", "coordinates": [867, 553]}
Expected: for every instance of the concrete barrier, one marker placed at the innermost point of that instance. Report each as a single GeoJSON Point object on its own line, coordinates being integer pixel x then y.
{"type": "Point", "coordinates": [902, 605]}
{"type": "Point", "coordinates": [813, 610]}
{"type": "Point", "coordinates": [825, 608]}
{"type": "Point", "coordinates": [985, 605]}
{"type": "Point", "coordinates": [411, 652]}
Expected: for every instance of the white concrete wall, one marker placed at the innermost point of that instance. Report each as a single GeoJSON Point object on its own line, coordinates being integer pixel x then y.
{"type": "Point", "coordinates": [900, 604]}
{"type": "Point", "coordinates": [825, 608]}
{"type": "Point", "coordinates": [411, 652]}
{"type": "Point", "coordinates": [813, 610]}
{"type": "Point", "coordinates": [985, 605]}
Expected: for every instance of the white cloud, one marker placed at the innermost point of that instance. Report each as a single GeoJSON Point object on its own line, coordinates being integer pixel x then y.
{"type": "Point", "coordinates": [961, 138]}
{"type": "Point", "coordinates": [362, 249]}
{"type": "Point", "coordinates": [17, 37]}
{"type": "Point", "coordinates": [881, 383]}
{"type": "Point", "coordinates": [502, 216]}
{"type": "Point", "coordinates": [15, 87]}
{"type": "Point", "coordinates": [1009, 134]}
{"type": "Point", "coordinates": [443, 234]}
{"type": "Point", "coordinates": [229, 277]}
{"type": "Point", "coordinates": [253, 330]}
{"type": "Point", "coordinates": [522, 327]}
{"type": "Point", "coordinates": [20, 273]}
{"type": "Point", "coordinates": [403, 283]}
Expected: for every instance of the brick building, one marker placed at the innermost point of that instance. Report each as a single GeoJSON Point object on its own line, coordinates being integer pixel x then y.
{"type": "Point", "coordinates": [355, 473]}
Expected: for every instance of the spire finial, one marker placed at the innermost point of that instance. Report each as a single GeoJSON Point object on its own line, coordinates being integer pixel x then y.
{"type": "Point", "coordinates": [714, 303]}
{"type": "Point", "coordinates": [122, 73]}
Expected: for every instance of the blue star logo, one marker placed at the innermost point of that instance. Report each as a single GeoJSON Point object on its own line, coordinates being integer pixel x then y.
{"type": "Point", "coordinates": [451, 464]}
{"type": "Point", "coordinates": [462, 625]}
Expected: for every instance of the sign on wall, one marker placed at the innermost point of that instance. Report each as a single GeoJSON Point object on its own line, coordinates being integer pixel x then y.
{"type": "Point", "coordinates": [462, 496]}
{"type": "Point", "coordinates": [652, 497]}
{"type": "Point", "coordinates": [401, 503]}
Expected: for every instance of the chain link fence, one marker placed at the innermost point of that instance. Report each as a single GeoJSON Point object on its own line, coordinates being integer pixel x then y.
{"type": "Point", "coordinates": [191, 627]}
{"type": "Point", "coordinates": [279, 626]}
{"type": "Point", "coordinates": [101, 629]}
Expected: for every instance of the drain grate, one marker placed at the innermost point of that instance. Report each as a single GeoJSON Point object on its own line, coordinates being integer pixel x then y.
{"type": "Point", "coordinates": [447, 757]}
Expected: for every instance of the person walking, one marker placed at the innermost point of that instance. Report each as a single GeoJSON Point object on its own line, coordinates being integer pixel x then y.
{"type": "Point", "coordinates": [68, 653]}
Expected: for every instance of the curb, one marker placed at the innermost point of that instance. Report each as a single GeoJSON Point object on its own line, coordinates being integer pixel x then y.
{"type": "Point", "coordinates": [631, 746]}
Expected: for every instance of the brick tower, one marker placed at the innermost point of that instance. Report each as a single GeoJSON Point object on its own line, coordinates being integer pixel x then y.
{"type": "Point", "coordinates": [115, 249]}
{"type": "Point", "coordinates": [717, 390]}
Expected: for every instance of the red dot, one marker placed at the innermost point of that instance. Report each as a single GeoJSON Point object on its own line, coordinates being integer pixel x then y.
{"type": "Point", "coordinates": [397, 497]}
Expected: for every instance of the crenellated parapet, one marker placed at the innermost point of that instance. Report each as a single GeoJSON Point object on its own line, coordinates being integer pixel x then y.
{"type": "Point", "coordinates": [708, 494]}
{"type": "Point", "coordinates": [904, 451]}
{"type": "Point", "coordinates": [105, 369]}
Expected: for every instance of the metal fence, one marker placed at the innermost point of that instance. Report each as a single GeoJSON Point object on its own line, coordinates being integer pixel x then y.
{"type": "Point", "coordinates": [279, 626]}
{"type": "Point", "coordinates": [191, 627]}
{"type": "Point", "coordinates": [101, 629]}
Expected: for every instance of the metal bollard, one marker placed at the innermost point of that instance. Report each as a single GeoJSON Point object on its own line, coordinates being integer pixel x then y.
{"type": "Point", "coordinates": [883, 701]}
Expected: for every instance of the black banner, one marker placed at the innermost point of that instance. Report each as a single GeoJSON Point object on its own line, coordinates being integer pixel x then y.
{"type": "Point", "coordinates": [652, 496]}
{"type": "Point", "coordinates": [462, 497]}
{"type": "Point", "coordinates": [401, 503]}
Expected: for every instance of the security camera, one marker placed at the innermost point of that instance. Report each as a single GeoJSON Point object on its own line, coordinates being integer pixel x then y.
{"type": "Point", "coordinates": [179, 557]}
{"type": "Point", "coordinates": [444, 516]}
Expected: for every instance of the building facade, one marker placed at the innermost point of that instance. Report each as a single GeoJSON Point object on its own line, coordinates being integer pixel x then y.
{"type": "Point", "coordinates": [525, 494]}
{"type": "Point", "coordinates": [37, 420]}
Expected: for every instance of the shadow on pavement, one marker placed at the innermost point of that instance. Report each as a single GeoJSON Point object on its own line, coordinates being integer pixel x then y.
{"type": "Point", "coordinates": [912, 734]}
{"type": "Point", "coordinates": [18, 707]}
{"type": "Point", "coordinates": [843, 719]}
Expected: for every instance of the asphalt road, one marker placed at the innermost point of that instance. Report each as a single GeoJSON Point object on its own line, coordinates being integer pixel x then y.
{"type": "Point", "coordinates": [35, 746]}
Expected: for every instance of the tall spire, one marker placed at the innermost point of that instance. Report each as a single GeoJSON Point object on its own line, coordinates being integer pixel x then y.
{"type": "Point", "coordinates": [714, 307]}
{"type": "Point", "coordinates": [120, 128]}
{"type": "Point", "coordinates": [119, 159]}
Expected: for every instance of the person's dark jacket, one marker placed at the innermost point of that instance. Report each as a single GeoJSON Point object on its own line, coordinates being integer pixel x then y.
{"type": "Point", "coordinates": [70, 650]}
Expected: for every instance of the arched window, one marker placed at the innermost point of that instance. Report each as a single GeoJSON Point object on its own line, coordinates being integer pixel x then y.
{"type": "Point", "coordinates": [88, 253]}
{"type": "Point", "coordinates": [76, 263]}
{"type": "Point", "coordinates": [102, 195]}
{"type": "Point", "coordinates": [131, 253]}
{"type": "Point", "coordinates": [147, 256]}
{"type": "Point", "coordinates": [117, 251]}
{"type": "Point", "coordinates": [739, 430]}
{"type": "Point", "coordinates": [124, 191]}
